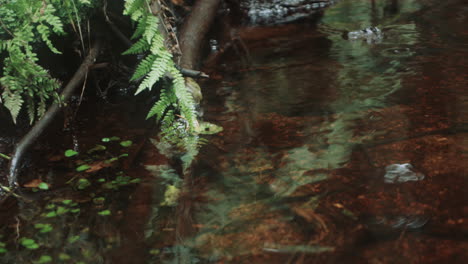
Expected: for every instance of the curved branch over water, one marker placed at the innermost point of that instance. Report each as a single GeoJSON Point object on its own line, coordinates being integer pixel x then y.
{"type": "Point", "coordinates": [40, 126]}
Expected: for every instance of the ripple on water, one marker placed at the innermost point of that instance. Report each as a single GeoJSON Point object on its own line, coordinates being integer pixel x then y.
{"type": "Point", "coordinates": [398, 173]}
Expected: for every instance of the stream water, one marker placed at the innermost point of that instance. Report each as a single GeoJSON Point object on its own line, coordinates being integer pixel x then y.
{"type": "Point", "coordinates": [334, 150]}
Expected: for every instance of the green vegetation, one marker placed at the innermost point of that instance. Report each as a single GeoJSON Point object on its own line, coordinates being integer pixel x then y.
{"type": "Point", "coordinates": [25, 26]}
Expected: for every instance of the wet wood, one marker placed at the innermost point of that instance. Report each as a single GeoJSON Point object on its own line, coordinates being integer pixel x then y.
{"type": "Point", "coordinates": [193, 32]}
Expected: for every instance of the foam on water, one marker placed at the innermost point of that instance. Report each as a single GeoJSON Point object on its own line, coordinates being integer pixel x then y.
{"type": "Point", "coordinates": [397, 173]}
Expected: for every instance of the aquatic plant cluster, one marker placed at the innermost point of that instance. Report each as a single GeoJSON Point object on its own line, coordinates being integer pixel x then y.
{"type": "Point", "coordinates": [59, 230]}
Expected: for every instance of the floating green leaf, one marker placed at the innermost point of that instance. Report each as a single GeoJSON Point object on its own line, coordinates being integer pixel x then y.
{"type": "Point", "coordinates": [2, 248]}
{"type": "Point", "coordinates": [43, 186]}
{"type": "Point", "coordinates": [44, 228]}
{"type": "Point", "coordinates": [97, 148]}
{"type": "Point", "coordinates": [105, 212]}
{"type": "Point", "coordinates": [106, 139]}
{"type": "Point", "coordinates": [73, 239]}
{"type": "Point", "coordinates": [70, 153]}
{"type": "Point", "coordinates": [67, 202]}
{"type": "Point", "coordinates": [62, 210]}
{"type": "Point", "coordinates": [63, 256]}
{"type": "Point", "coordinates": [83, 167]}
{"type": "Point", "coordinates": [99, 200]}
{"type": "Point", "coordinates": [51, 214]}
{"type": "Point", "coordinates": [83, 183]}
{"type": "Point", "coordinates": [44, 259]}
{"type": "Point", "coordinates": [126, 143]}
{"type": "Point", "coordinates": [29, 243]}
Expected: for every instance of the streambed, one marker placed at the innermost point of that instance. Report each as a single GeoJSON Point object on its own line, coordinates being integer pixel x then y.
{"type": "Point", "coordinates": [321, 135]}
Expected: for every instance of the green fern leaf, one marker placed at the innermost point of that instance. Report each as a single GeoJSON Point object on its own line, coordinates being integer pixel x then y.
{"type": "Point", "coordinates": [139, 47]}
{"type": "Point", "coordinates": [44, 33]}
{"type": "Point", "coordinates": [141, 27]}
{"type": "Point", "coordinates": [157, 45]}
{"type": "Point", "coordinates": [133, 6]}
{"type": "Point", "coordinates": [166, 99]}
{"type": "Point", "coordinates": [31, 109]}
{"type": "Point", "coordinates": [157, 71]}
{"type": "Point", "coordinates": [13, 103]}
{"type": "Point", "coordinates": [53, 20]}
{"type": "Point", "coordinates": [151, 28]}
{"type": "Point", "coordinates": [144, 67]}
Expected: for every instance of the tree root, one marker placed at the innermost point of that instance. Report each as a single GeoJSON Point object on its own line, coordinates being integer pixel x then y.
{"type": "Point", "coordinates": [41, 125]}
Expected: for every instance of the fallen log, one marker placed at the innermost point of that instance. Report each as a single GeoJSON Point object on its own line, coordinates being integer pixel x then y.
{"type": "Point", "coordinates": [41, 125]}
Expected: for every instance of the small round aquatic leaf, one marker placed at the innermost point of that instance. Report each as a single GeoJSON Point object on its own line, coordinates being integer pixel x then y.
{"type": "Point", "coordinates": [63, 256]}
{"type": "Point", "coordinates": [67, 202]}
{"type": "Point", "coordinates": [83, 168]}
{"type": "Point", "coordinates": [44, 228]}
{"type": "Point", "coordinates": [83, 183]}
{"type": "Point", "coordinates": [44, 259]}
{"type": "Point", "coordinates": [75, 210]}
{"type": "Point", "coordinates": [135, 181]}
{"type": "Point", "coordinates": [70, 153]}
{"type": "Point", "coordinates": [105, 212]}
{"type": "Point", "coordinates": [51, 214]}
{"type": "Point", "coordinates": [3, 250]}
{"type": "Point", "coordinates": [62, 210]}
{"type": "Point", "coordinates": [29, 243]}
{"type": "Point", "coordinates": [99, 200]}
{"type": "Point", "coordinates": [106, 139]}
{"type": "Point", "coordinates": [43, 186]}
{"type": "Point", "coordinates": [97, 148]}
{"type": "Point", "coordinates": [154, 251]}
{"type": "Point", "coordinates": [126, 143]}
{"type": "Point", "coordinates": [73, 239]}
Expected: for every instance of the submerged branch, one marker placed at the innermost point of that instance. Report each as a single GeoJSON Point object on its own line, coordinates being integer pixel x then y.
{"type": "Point", "coordinates": [41, 125]}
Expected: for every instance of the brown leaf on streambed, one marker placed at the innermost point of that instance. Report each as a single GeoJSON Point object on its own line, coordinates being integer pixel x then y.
{"type": "Point", "coordinates": [33, 183]}
{"type": "Point", "coordinates": [97, 166]}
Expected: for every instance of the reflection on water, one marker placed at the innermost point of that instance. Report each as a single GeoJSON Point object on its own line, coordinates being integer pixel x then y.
{"type": "Point", "coordinates": [333, 151]}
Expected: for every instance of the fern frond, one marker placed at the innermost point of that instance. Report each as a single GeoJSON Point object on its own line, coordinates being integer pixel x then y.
{"type": "Point", "coordinates": [52, 19]}
{"type": "Point", "coordinates": [139, 47]}
{"type": "Point", "coordinates": [141, 26]}
{"type": "Point", "coordinates": [144, 67]}
{"type": "Point", "coordinates": [151, 29]}
{"type": "Point", "coordinates": [13, 102]}
{"type": "Point", "coordinates": [157, 71]}
{"type": "Point", "coordinates": [31, 109]}
{"type": "Point", "coordinates": [44, 33]}
{"type": "Point", "coordinates": [157, 45]}
{"type": "Point", "coordinates": [133, 6]}
{"type": "Point", "coordinates": [166, 100]}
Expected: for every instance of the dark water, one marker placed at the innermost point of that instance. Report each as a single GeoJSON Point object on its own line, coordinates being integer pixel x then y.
{"type": "Point", "coordinates": [333, 151]}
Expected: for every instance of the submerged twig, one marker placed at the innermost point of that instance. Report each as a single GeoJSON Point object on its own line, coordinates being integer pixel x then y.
{"type": "Point", "coordinates": [39, 127]}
